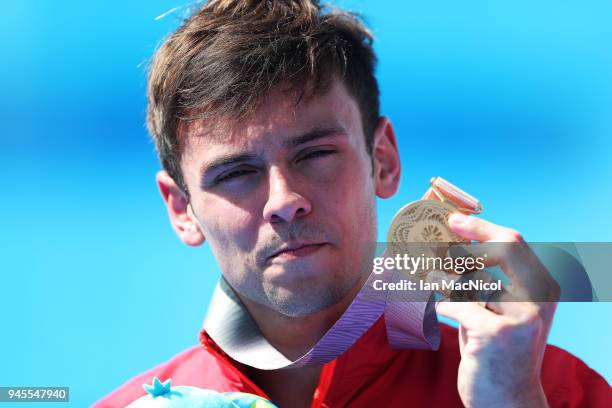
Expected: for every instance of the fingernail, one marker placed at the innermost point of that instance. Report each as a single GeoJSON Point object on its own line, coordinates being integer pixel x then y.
{"type": "Point", "coordinates": [457, 219]}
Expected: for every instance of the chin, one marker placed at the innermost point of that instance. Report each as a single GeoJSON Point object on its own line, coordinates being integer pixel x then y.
{"type": "Point", "coordinates": [302, 305]}
{"type": "Point", "coordinates": [297, 295]}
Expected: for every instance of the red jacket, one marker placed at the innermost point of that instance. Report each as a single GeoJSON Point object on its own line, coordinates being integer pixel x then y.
{"type": "Point", "coordinates": [371, 374]}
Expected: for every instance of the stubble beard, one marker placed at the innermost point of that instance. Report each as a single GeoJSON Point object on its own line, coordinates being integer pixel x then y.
{"type": "Point", "coordinates": [310, 297]}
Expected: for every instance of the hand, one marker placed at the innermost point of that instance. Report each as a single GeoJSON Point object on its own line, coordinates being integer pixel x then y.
{"type": "Point", "coordinates": [502, 345]}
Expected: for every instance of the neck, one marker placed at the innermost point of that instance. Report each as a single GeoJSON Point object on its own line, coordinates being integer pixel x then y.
{"type": "Point", "coordinates": [294, 336]}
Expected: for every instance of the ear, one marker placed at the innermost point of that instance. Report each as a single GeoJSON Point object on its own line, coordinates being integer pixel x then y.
{"type": "Point", "coordinates": [387, 167]}
{"type": "Point", "coordinates": [180, 212]}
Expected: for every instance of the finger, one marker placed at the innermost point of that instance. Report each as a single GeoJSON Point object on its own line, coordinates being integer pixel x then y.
{"type": "Point", "coordinates": [507, 248]}
{"type": "Point", "coordinates": [476, 256]}
{"type": "Point", "coordinates": [530, 280]}
{"type": "Point", "coordinates": [483, 255]}
{"type": "Point", "coordinates": [478, 229]}
{"type": "Point", "coordinates": [468, 314]}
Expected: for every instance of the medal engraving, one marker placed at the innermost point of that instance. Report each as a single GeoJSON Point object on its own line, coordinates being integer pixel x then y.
{"type": "Point", "coordinates": [426, 222]}
{"type": "Point", "coordinates": [423, 221]}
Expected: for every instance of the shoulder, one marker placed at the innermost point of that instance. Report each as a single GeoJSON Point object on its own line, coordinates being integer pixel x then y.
{"type": "Point", "coordinates": [194, 366]}
{"type": "Point", "coordinates": [568, 380]}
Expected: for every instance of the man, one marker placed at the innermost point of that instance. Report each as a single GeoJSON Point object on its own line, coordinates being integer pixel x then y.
{"type": "Point", "coordinates": [266, 119]}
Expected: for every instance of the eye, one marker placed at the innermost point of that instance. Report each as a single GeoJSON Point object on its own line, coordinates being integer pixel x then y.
{"type": "Point", "coordinates": [233, 175]}
{"type": "Point", "coordinates": [316, 153]}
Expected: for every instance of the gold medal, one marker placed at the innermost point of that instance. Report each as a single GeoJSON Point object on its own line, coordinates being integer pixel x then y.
{"type": "Point", "coordinates": [423, 221]}
{"type": "Point", "coordinates": [420, 228]}
{"type": "Point", "coordinates": [426, 220]}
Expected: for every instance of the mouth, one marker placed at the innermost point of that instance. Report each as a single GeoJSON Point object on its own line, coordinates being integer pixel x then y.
{"type": "Point", "coordinates": [296, 251]}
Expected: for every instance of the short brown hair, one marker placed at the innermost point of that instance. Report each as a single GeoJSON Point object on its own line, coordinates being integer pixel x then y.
{"type": "Point", "coordinates": [224, 59]}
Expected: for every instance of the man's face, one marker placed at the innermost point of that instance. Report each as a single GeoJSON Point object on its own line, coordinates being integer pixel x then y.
{"type": "Point", "coordinates": [286, 200]}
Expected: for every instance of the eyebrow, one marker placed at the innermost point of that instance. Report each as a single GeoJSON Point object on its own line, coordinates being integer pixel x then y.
{"type": "Point", "coordinates": [312, 135]}
{"type": "Point", "coordinates": [226, 160]}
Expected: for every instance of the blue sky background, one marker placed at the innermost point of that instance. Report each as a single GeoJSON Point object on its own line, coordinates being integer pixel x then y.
{"type": "Point", "coordinates": [512, 101]}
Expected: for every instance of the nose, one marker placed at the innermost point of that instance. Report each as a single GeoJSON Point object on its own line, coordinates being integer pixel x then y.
{"type": "Point", "coordinates": [284, 204]}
